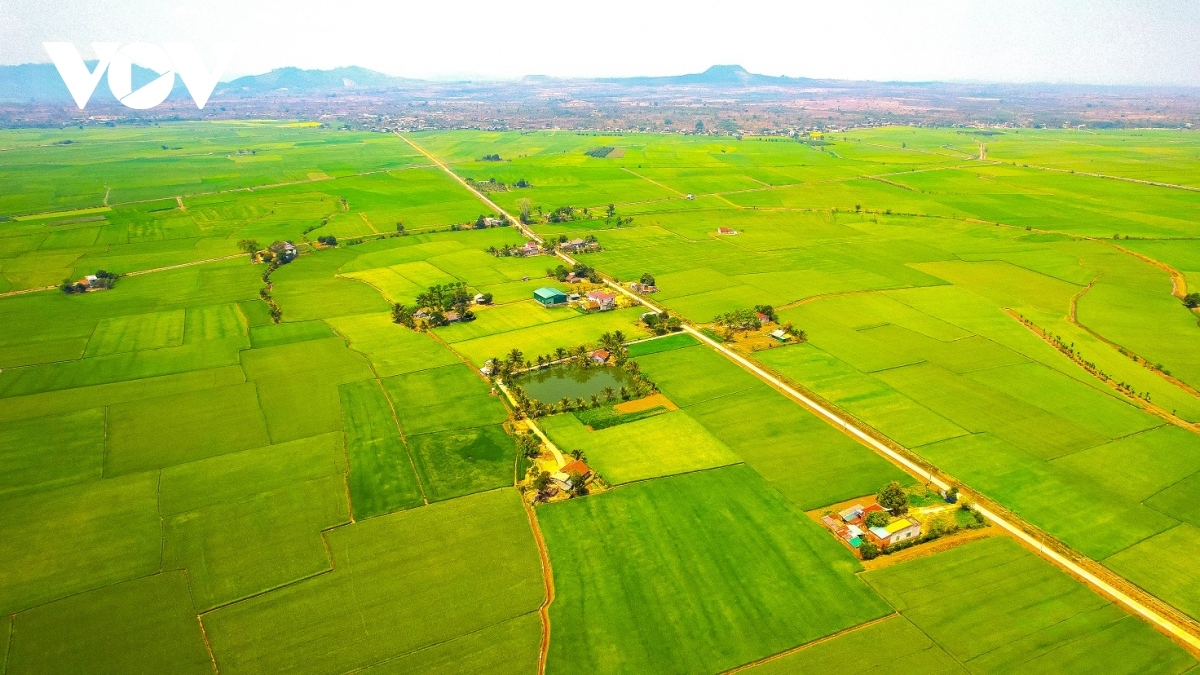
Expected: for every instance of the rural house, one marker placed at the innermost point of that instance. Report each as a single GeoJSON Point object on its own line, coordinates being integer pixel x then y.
{"type": "Point", "coordinates": [562, 477]}
{"type": "Point", "coordinates": [605, 301]}
{"type": "Point", "coordinates": [726, 230]}
{"type": "Point", "coordinates": [900, 529]}
{"type": "Point", "coordinates": [550, 297]}
{"type": "Point", "coordinates": [780, 334]}
{"type": "Point", "coordinates": [600, 356]}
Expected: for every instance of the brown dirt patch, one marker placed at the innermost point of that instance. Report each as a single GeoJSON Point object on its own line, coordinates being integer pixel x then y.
{"type": "Point", "coordinates": [653, 401]}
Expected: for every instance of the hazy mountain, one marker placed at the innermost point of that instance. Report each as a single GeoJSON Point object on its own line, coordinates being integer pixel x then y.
{"type": "Point", "coordinates": [41, 83]}
{"type": "Point", "coordinates": [300, 81]}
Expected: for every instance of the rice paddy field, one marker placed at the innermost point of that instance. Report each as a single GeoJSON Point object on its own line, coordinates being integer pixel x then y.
{"type": "Point", "coordinates": [191, 486]}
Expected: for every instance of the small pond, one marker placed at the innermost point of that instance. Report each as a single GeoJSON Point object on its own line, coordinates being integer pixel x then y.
{"type": "Point", "coordinates": [572, 381]}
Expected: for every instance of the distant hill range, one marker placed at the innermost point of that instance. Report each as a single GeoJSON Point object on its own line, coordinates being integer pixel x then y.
{"type": "Point", "coordinates": [40, 82]}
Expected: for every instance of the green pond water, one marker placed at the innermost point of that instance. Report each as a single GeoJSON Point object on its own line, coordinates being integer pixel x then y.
{"type": "Point", "coordinates": [552, 384]}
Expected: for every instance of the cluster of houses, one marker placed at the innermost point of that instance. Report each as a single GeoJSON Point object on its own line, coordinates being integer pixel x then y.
{"type": "Point", "coordinates": [639, 287]}
{"type": "Point", "coordinates": [579, 246]}
{"type": "Point", "coordinates": [850, 525]}
{"type": "Point", "coordinates": [530, 248]}
{"type": "Point", "coordinates": [593, 301]}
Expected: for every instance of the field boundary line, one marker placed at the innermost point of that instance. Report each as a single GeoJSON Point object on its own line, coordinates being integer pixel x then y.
{"type": "Point", "coordinates": [703, 469]}
{"type": "Point", "coordinates": [248, 188]}
{"type": "Point", "coordinates": [1163, 616]}
{"type": "Point", "coordinates": [1142, 181]}
{"type": "Point", "coordinates": [652, 181]}
{"type": "Point", "coordinates": [403, 441]}
{"type": "Point", "coordinates": [547, 579]}
{"type": "Point", "coordinates": [12, 623]}
{"type": "Point", "coordinates": [814, 643]}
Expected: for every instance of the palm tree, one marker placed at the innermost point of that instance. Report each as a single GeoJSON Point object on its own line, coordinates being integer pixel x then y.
{"type": "Point", "coordinates": [624, 392]}
{"type": "Point", "coordinates": [619, 337]}
{"type": "Point", "coordinates": [515, 356]}
{"type": "Point", "coordinates": [609, 392]}
{"type": "Point", "coordinates": [580, 404]}
{"type": "Point", "coordinates": [564, 404]}
{"type": "Point", "coordinates": [560, 353]}
{"type": "Point", "coordinates": [595, 400]}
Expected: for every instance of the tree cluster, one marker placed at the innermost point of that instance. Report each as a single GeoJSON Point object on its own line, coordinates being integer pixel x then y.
{"type": "Point", "coordinates": [490, 158]}
{"type": "Point", "coordinates": [647, 279]}
{"type": "Point", "coordinates": [740, 319]}
{"type": "Point", "coordinates": [328, 240]}
{"type": "Point", "coordinates": [579, 269]}
{"type": "Point", "coordinates": [662, 322]}
{"type": "Point", "coordinates": [103, 280]}
{"type": "Point", "coordinates": [1191, 300]}
{"type": "Point", "coordinates": [489, 185]}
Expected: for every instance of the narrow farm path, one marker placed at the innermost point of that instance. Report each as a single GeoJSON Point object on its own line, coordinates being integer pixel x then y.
{"type": "Point", "coordinates": [548, 580]}
{"type": "Point", "coordinates": [1159, 614]}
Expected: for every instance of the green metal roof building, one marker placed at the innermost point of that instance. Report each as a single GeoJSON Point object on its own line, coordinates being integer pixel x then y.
{"type": "Point", "coordinates": [550, 296]}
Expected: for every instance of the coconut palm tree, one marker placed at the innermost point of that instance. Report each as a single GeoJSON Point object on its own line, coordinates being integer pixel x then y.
{"type": "Point", "coordinates": [560, 353]}
{"type": "Point", "coordinates": [624, 392]}
{"type": "Point", "coordinates": [580, 404]}
{"type": "Point", "coordinates": [595, 400]}
{"type": "Point", "coordinates": [609, 392]}
{"type": "Point", "coordinates": [515, 356]}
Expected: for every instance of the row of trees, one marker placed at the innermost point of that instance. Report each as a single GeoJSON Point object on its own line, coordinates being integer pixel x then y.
{"type": "Point", "coordinates": [638, 387]}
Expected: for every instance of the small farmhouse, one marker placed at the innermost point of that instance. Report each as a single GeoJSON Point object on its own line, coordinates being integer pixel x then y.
{"type": "Point", "coordinates": [726, 230]}
{"type": "Point", "coordinates": [604, 300]}
{"type": "Point", "coordinates": [600, 356]}
{"type": "Point", "coordinates": [900, 529]}
{"type": "Point", "coordinates": [562, 477]}
{"type": "Point", "coordinates": [550, 297]}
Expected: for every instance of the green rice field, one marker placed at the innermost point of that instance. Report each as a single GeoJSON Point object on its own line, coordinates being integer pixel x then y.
{"type": "Point", "coordinates": [219, 466]}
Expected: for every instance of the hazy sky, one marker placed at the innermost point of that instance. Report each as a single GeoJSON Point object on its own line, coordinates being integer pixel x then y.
{"type": "Point", "coordinates": [1085, 41]}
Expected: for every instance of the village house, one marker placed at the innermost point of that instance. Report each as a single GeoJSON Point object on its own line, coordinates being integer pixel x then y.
{"type": "Point", "coordinates": [780, 334]}
{"type": "Point", "coordinates": [453, 317]}
{"type": "Point", "coordinates": [91, 281]}
{"type": "Point", "coordinates": [605, 301]}
{"type": "Point", "coordinates": [638, 287]}
{"type": "Point", "coordinates": [562, 477]}
{"type": "Point", "coordinates": [762, 318]}
{"type": "Point", "coordinates": [480, 299]}
{"type": "Point", "coordinates": [574, 245]}
{"type": "Point", "coordinates": [530, 248]}
{"type": "Point", "coordinates": [900, 529]}
{"type": "Point", "coordinates": [726, 230]}
{"type": "Point", "coordinates": [600, 356]}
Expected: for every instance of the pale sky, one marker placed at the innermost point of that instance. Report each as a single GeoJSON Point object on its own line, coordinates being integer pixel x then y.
{"type": "Point", "coordinates": [1079, 41]}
